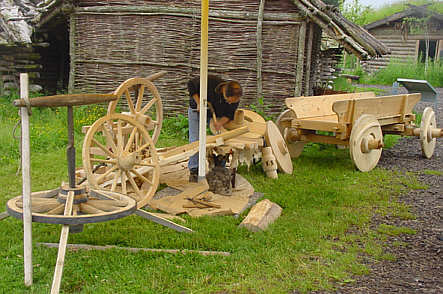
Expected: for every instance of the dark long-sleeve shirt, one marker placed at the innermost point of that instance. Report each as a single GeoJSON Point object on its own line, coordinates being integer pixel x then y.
{"type": "Point", "coordinates": [221, 107]}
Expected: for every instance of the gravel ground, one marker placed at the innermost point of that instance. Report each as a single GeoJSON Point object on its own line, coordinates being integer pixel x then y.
{"type": "Point", "coordinates": [418, 264]}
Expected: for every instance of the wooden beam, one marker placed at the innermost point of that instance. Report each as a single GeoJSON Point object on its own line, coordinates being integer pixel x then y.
{"type": "Point", "coordinates": [261, 216]}
{"type": "Point", "coordinates": [162, 221]}
{"type": "Point", "coordinates": [308, 60]}
{"type": "Point", "coordinates": [107, 247]}
{"type": "Point", "coordinates": [300, 59]}
{"type": "Point", "coordinates": [260, 50]}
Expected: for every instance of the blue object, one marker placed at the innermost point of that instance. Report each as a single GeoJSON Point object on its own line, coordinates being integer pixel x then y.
{"type": "Point", "coordinates": [428, 93]}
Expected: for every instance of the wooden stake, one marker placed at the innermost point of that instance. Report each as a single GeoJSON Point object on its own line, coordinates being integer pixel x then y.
{"type": "Point", "coordinates": [26, 178]}
{"type": "Point", "coordinates": [300, 59]}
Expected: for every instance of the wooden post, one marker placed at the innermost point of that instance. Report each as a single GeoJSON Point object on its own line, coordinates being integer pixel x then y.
{"type": "Point", "coordinates": [26, 178]}
{"type": "Point", "coordinates": [203, 88]}
{"type": "Point", "coordinates": [71, 52]}
{"type": "Point", "coordinates": [260, 50]}
{"type": "Point", "coordinates": [300, 59]}
{"type": "Point", "coordinates": [308, 60]}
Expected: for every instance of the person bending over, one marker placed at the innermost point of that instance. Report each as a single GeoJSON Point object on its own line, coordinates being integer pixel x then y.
{"type": "Point", "coordinates": [223, 96]}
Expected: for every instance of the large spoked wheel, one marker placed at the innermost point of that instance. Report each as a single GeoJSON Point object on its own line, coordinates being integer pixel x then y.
{"type": "Point", "coordinates": [427, 142]}
{"type": "Point", "coordinates": [87, 206]}
{"type": "Point", "coordinates": [283, 123]}
{"type": "Point", "coordinates": [144, 103]}
{"type": "Point", "coordinates": [366, 142]}
{"type": "Point", "coordinates": [120, 156]}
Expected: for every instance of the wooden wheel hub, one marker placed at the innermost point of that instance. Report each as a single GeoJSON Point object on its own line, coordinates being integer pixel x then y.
{"type": "Point", "coordinates": [291, 135]}
{"type": "Point", "coordinates": [126, 160]}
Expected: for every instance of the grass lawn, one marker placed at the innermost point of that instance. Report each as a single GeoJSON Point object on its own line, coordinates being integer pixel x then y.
{"type": "Point", "coordinates": [317, 241]}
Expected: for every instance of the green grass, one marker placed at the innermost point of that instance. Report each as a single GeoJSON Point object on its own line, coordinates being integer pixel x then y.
{"type": "Point", "coordinates": [319, 239]}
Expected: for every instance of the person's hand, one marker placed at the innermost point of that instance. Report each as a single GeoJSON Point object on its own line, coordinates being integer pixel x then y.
{"type": "Point", "coordinates": [217, 126]}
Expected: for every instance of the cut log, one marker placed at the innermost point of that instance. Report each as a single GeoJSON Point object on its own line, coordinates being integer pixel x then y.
{"type": "Point", "coordinates": [261, 216]}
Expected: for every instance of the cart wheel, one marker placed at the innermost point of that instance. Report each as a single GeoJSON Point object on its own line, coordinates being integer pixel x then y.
{"type": "Point", "coordinates": [145, 105]}
{"type": "Point", "coordinates": [283, 120]}
{"type": "Point", "coordinates": [88, 206]}
{"type": "Point", "coordinates": [428, 122]}
{"type": "Point", "coordinates": [366, 142]}
{"type": "Point", "coordinates": [252, 116]}
{"type": "Point", "coordinates": [279, 148]}
{"type": "Point", "coordinates": [127, 155]}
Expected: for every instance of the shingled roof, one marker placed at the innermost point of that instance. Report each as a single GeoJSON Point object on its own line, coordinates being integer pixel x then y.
{"type": "Point", "coordinates": [18, 18]}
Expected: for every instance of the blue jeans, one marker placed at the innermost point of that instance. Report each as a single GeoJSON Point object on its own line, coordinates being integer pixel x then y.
{"type": "Point", "coordinates": [194, 126]}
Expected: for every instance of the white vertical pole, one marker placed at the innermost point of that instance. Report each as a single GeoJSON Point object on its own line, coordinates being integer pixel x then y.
{"type": "Point", "coordinates": [203, 88]}
{"type": "Point", "coordinates": [26, 178]}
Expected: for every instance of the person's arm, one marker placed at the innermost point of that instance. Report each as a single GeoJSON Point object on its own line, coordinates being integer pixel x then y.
{"type": "Point", "coordinates": [221, 122]}
{"type": "Point", "coordinates": [196, 98]}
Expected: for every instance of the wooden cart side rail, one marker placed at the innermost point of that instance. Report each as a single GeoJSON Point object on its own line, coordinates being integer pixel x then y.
{"type": "Point", "coordinates": [318, 106]}
{"type": "Point", "coordinates": [387, 109]}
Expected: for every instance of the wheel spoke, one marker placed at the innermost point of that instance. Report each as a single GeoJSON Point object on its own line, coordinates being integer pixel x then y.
{"type": "Point", "coordinates": [57, 210]}
{"type": "Point", "coordinates": [141, 92]}
{"type": "Point", "coordinates": [99, 145]}
{"type": "Point", "coordinates": [111, 161]}
{"type": "Point", "coordinates": [148, 105]}
{"type": "Point", "coordinates": [134, 185]}
{"type": "Point", "coordinates": [130, 103]}
{"type": "Point", "coordinates": [101, 177]}
{"type": "Point", "coordinates": [115, 180]}
{"type": "Point", "coordinates": [131, 139]}
{"type": "Point", "coordinates": [108, 135]}
{"type": "Point", "coordinates": [105, 205]}
{"type": "Point", "coordinates": [123, 179]}
{"type": "Point", "coordinates": [142, 147]}
{"type": "Point", "coordinates": [142, 177]}
{"type": "Point", "coordinates": [119, 136]}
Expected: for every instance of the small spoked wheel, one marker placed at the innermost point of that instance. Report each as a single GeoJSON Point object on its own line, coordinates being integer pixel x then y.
{"type": "Point", "coordinates": [283, 123]}
{"type": "Point", "coordinates": [87, 206]}
{"type": "Point", "coordinates": [120, 156]}
{"type": "Point", "coordinates": [428, 123]}
{"type": "Point", "coordinates": [366, 142]}
{"type": "Point", "coordinates": [144, 103]}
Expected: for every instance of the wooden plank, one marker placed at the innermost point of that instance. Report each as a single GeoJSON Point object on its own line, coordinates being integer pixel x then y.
{"type": "Point", "coordinates": [327, 126]}
{"type": "Point", "coordinates": [162, 221]}
{"type": "Point", "coordinates": [107, 247]}
{"type": "Point", "coordinates": [261, 216]}
{"type": "Point", "coordinates": [317, 106]}
{"type": "Point", "coordinates": [62, 247]}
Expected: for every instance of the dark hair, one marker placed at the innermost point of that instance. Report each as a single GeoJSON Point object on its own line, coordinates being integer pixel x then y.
{"type": "Point", "coordinates": [233, 88]}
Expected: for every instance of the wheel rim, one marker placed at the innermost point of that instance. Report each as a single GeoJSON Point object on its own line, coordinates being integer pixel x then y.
{"type": "Point", "coordinates": [275, 140]}
{"type": "Point", "coordinates": [144, 104]}
{"type": "Point", "coordinates": [428, 122]}
{"type": "Point", "coordinates": [364, 129]}
{"type": "Point", "coordinates": [91, 207]}
{"type": "Point", "coordinates": [127, 155]}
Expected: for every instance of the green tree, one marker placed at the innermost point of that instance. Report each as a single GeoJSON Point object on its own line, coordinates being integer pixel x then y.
{"type": "Point", "coordinates": [355, 11]}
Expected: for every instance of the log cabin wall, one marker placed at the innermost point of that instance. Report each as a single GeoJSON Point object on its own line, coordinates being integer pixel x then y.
{"type": "Point", "coordinates": [404, 43]}
{"type": "Point", "coordinates": [112, 41]}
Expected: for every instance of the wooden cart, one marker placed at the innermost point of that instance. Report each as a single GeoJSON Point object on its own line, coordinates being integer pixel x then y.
{"type": "Point", "coordinates": [357, 120]}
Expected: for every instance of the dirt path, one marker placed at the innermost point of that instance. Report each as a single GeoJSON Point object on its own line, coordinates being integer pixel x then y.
{"type": "Point", "coordinates": [418, 264]}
